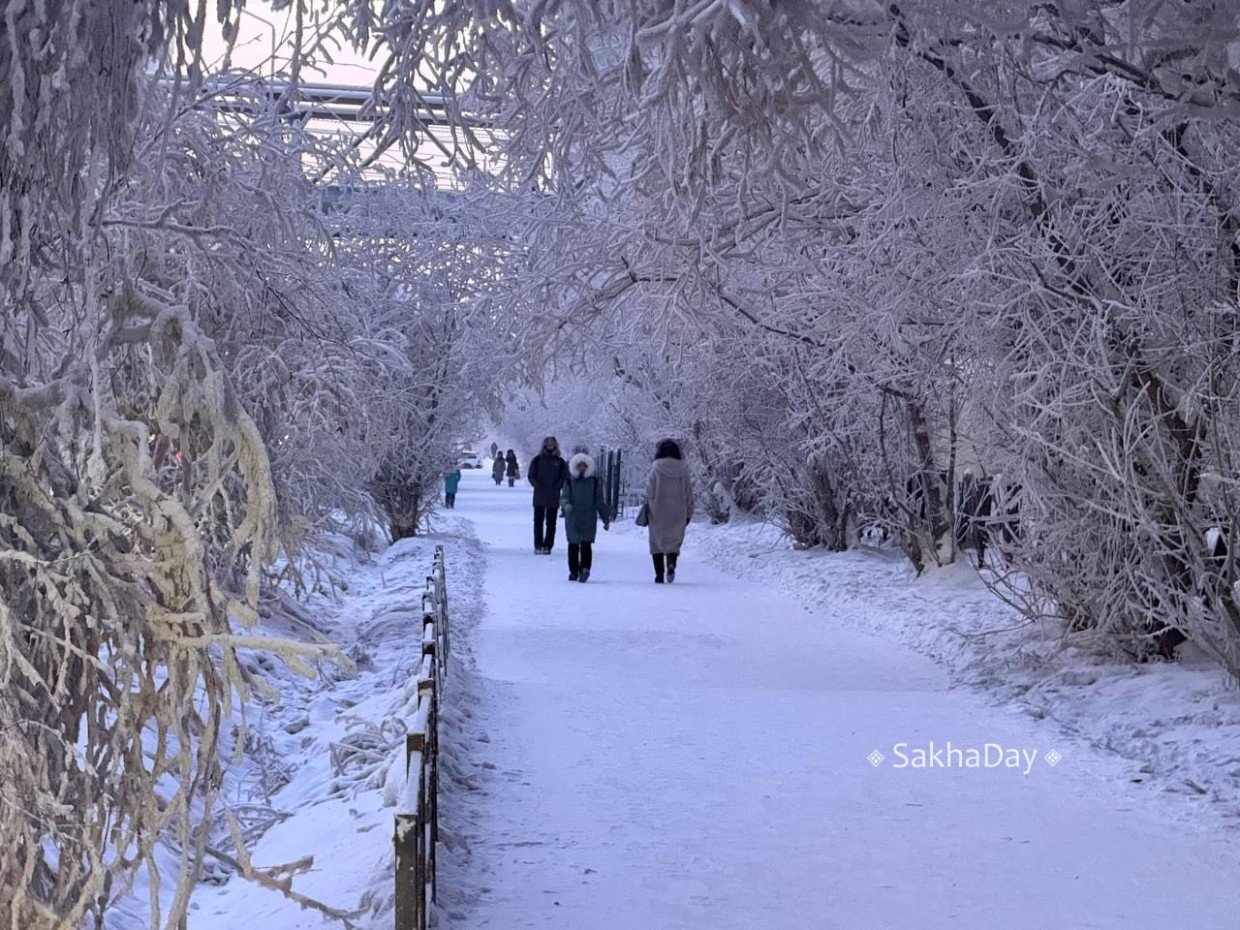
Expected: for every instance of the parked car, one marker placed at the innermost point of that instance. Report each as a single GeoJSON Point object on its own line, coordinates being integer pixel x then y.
{"type": "Point", "coordinates": [471, 459]}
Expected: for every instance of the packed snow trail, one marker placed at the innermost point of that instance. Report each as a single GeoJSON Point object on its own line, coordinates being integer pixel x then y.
{"type": "Point", "coordinates": [695, 756]}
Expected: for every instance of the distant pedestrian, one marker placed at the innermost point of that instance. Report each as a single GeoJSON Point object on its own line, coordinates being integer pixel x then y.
{"type": "Point", "coordinates": [584, 506]}
{"type": "Point", "coordinates": [498, 469]}
{"type": "Point", "coordinates": [514, 469]}
{"type": "Point", "coordinates": [451, 482]}
{"type": "Point", "coordinates": [547, 473]}
{"type": "Point", "coordinates": [669, 507]}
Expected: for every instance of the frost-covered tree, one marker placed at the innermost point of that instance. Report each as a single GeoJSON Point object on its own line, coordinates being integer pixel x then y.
{"type": "Point", "coordinates": [922, 240]}
{"type": "Point", "coordinates": [204, 361]}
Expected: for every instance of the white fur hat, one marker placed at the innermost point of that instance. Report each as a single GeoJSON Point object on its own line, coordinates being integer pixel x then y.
{"type": "Point", "coordinates": [578, 459]}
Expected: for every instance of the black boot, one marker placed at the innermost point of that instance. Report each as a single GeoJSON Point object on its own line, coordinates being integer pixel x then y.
{"type": "Point", "coordinates": [658, 568]}
{"type": "Point", "coordinates": [671, 566]}
{"type": "Point", "coordinates": [585, 575]}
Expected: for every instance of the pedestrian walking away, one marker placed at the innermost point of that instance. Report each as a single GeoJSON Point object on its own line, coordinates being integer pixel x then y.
{"type": "Point", "coordinates": [584, 505]}
{"type": "Point", "coordinates": [498, 469]}
{"type": "Point", "coordinates": [669, 508]}
{"type": "Point", "coordinates": [514, 469]}
{"type": "Point", "coordinates": [547, 473]}
{"type": "Point", "coordinates": [451, 482]}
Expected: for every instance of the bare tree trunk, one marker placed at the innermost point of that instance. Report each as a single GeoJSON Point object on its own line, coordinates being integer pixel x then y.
{"type": "Point", "coordinates": [935, 522]}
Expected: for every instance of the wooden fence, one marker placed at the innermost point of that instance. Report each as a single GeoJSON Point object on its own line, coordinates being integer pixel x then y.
{"type": "Point", "coordinates": [417, 812]}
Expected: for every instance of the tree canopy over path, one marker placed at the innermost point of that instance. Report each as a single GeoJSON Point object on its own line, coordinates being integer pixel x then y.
{"type": "Point", "coordinates": [851, 252]}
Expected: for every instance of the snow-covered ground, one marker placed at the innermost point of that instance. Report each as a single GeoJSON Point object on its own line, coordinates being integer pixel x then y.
{"type": "Point", "coordinates": [621, 754]}
{"type": "Point", "coordinates": [1177, 723]}
{"type": "Point", "coordinates": [633, 755]}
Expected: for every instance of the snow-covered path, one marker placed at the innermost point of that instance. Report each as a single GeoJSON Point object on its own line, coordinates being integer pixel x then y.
{"type": "Point", "coordinates": [695, 756]}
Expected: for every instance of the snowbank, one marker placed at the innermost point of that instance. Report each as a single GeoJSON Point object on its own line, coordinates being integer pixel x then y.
{"type": "Point", "coordinates": [315, 780]}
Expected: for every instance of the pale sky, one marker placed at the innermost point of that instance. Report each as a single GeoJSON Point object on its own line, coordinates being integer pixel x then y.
{"type": "Point", "coordinates": [264, 41]}
{"type": "Point", "coordinates": [263, 47]}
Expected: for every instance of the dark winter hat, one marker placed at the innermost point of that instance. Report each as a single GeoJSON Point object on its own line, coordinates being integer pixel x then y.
{"type": "Point", "coordinates": [667, 449]}
{"type": "Point", "coordinates": [551, 443]}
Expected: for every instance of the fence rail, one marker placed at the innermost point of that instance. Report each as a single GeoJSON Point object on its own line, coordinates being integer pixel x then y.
{"type": "Point", "coordinates": [417, 810]}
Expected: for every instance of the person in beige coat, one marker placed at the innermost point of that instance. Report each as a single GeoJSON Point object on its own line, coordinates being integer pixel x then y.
{"type": "Point", "coordinates": [669, 503]}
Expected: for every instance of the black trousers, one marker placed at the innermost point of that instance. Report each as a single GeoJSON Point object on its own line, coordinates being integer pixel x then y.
{"type": "Point", "coordinates": [544, 527]}
{"type": "Point", "coordinates": [580, 556]}
{"type": "Point", "coordinates": [450, 500]}
{"type": "Point", "coordinates": [659, 561]}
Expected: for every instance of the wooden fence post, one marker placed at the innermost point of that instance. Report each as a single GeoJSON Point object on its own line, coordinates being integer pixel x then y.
{"type": "Point", "coordinates": [411, 913]}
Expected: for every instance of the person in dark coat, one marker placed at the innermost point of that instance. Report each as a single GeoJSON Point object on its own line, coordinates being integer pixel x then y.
{"type": "Point", "coordinates": [514, 469]}
{"type": "Point", "coordinates": [669, 502]}
{"type": "Point", "coordinates": [584, 505]}
{"type": "Point", "coordinates": [498, 469]}
{"type": "Point", "coordinates": [547, 473]}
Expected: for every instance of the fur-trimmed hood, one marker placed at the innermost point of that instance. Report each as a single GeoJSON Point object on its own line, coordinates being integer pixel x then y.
{"type": "Point", "coordinates": [576, 460]}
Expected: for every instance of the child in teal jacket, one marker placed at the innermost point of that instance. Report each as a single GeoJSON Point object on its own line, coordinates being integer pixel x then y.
{"type": "Point", "coordinates": [584, 504]}
{"type": "Point", "coordinates": [451, 481]}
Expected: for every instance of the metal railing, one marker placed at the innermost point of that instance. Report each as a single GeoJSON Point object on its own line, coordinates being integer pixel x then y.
{"type": "Point", "coordinates": [610, 467]}
{"type": "Point", "coordinates": [417, 808]}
